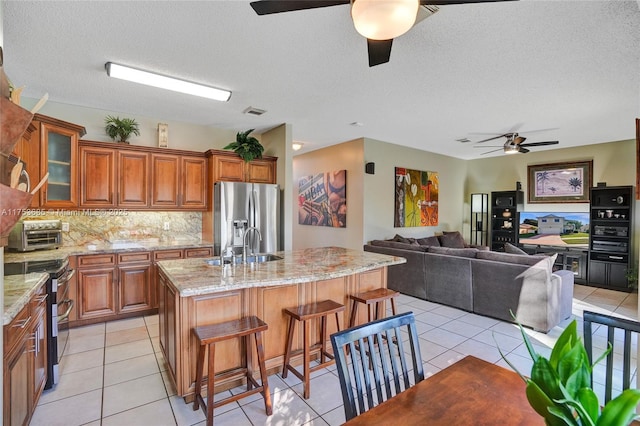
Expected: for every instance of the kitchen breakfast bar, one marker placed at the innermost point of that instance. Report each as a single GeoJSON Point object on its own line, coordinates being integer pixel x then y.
{"type": "Point", "coordinates": [193, 292]}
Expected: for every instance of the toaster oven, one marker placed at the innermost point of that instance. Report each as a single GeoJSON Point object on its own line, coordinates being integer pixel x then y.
{"type": "Point", "coordinates": [28, 235]}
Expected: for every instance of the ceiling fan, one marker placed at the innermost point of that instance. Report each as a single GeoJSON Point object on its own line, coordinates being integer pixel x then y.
{"type": "Point", "coordinates": [380, 21]}
{"type": "Point", "coordinates": [513, 144]}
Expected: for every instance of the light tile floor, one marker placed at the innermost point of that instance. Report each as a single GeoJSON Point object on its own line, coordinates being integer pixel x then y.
{"type": "Point", "coordinates": [114, 373]}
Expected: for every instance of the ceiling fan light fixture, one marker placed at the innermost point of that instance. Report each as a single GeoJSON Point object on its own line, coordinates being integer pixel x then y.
{"type": "Point", "coordinates": [164, 82]}
{"type": "Point", "coordinates": [384, 19]}
{"type": "Point", "coordinates": [511, 149]}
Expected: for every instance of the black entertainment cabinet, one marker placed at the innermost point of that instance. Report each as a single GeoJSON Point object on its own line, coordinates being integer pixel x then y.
{"type": "Point", "coordinates": [505, 218]}
{"type": "Point", "coordinates": [572, 259]}
{"type": "Point", "coordinates": [610, 236]}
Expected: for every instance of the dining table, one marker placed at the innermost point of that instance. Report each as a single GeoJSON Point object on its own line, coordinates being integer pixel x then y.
{"type": "Point", "coordinates": [468, 392]}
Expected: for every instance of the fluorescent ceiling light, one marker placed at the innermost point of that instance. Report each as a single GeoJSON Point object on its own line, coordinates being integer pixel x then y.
{"type": "Point", "coordinates": [156, 80]}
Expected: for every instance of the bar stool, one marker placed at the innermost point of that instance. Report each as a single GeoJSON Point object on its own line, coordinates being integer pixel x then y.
{"type": "Point", "coordinates": [208, 336]}
{"type": "Point", "coordinates": [305, 313]}
{"type": "Point", "coordinates": [377, 296]}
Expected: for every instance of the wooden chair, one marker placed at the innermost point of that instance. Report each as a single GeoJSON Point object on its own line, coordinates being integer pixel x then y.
{"type": "Point", "coordinates": [626, 328]}
{"type": "Point", "coordinates": [373, 356]}
{"type": "Point", "coordinates": [208, 336]}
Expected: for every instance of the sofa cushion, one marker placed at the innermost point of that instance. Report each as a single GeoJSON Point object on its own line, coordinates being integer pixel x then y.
{"type": "Point", "coordinates": [429, 241]}
{"type": "Point", "coordinates": [451, 239]}
{"type": "Point", "coordinates": [398, 245]}
{"type": "Point", "coordinates": [518, 259]}
{"type": "Point", "coordinates": [510, 248]}
{"type": "Point", "coordinates": [460, 252]}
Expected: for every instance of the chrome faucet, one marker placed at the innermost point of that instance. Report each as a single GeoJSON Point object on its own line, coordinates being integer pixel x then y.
{"type": "Point", "coordinates": [244, 241]}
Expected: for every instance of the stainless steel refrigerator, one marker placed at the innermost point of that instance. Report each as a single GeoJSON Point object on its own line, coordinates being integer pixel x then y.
{"type": "Point", "coordinates": [239, 206]}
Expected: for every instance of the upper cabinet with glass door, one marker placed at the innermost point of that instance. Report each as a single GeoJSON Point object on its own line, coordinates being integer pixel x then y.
{"type": "Point", "coordinates": [58, 157]}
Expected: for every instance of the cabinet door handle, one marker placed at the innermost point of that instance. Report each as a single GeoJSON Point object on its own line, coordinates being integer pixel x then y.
{"type": "Point", "coordinates": [23, 323]}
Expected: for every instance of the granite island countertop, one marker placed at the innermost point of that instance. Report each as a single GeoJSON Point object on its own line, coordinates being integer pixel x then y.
{"type": "Point", "coordinates": [18, 290]}
{"type": "Point", "coordinates": [195, 276]}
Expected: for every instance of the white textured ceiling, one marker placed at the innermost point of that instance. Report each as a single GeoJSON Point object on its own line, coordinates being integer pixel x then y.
{"type": "Point", "coordinates": [571, 65]}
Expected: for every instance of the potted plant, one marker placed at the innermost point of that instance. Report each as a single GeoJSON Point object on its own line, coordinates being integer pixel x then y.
{"type": "Point", "coordinates": [120, 129]}
{"type": "Point", "coordinates": [559, 388]}
{"type": "Point", "coordinates": [247, 147]}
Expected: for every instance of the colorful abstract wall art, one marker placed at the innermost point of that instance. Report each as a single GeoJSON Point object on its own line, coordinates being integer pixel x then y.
{"type": "Point", "coordinates": [416, 198]}
{"type": "Point", "coordinates": [322, 199]}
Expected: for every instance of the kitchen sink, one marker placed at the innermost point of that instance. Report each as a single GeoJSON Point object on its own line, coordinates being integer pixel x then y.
{"type": "Point", "coordinates": [253, 258]}
{"type": "Point", "coordinates": [261, 258]}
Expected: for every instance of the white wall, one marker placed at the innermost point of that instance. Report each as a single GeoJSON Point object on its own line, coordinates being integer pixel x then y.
{"type": "Point", "coordinates": [277, 142]}
{"type": "Point", "coordinates": [345, 156]}
{"type": "Point", "coordinates": [181, 135]}
{"type": "Point", "coordinates": [380, 191]}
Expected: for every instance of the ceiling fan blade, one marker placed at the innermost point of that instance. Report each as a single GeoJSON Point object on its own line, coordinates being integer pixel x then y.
{"type": "Point", "coordinates": [267, 7]}
{"type": "Point", "coordinates": [523, 150]}
{"type": "Point", "coordinates": [519, 140]}
{"type": "Point", "coordinates": [446, 2]}
{"type": "Point", "coordinates": [495, 150]}
{"type": "Point", "coordinates": [540, 143]}
{"type": "Point", "coordinates": [491, 139]}
{"type": "Point", "coordinates": [379, 51]}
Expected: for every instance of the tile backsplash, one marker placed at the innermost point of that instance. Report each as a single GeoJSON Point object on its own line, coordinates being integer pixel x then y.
{"type": "Point", "coordinates": [99, 226]}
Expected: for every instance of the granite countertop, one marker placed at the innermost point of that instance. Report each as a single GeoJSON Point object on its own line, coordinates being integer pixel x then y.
{"type": "Point", "coordinates": [18, 290]}
{"type": "Point", "coordinates": [105, 247]}
{"type": "Point", "coordinates": [195, 276]}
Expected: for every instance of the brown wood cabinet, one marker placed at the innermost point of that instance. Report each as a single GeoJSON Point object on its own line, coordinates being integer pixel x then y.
{"type": "Point", "coordinates": [178, 182]}
{"type": "Point", "coordinates": [118, 285]}
{"type": "Point", "coordinates": [133, 179]}
{"type": "Point", "coordinates": [58, 157]}
{"type": "Point", "coordinates": [97, 186]}
{"type": "Point", "coordinates": [25, 360]}
{"type": "Point", "coordinates": [228, 166]}
{"type": "Point", "coordinates": [141, 178]}
{"type": "Point", "coordinates": [111, 286]}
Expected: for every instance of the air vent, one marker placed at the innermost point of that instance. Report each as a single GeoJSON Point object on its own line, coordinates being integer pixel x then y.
{"type": "Point", "coordinates": [254, 111]}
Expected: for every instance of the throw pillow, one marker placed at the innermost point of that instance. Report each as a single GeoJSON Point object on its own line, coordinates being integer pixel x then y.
{"type": "Point", "coordinates": [510, 248]}
{"type": "Point", "coordinates": [429, 241]}
{"type": "Point", "coordinates": [452, 239]}
{"type": "Point", "coordinates": [397, 245]}
{"type": "Point", "coordinates": [400, 239]}
{"type": "Point", "coordinates": [459, 252]}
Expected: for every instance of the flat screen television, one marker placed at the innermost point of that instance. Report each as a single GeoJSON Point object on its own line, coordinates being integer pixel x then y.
{"type": "Point", "coordinates": [554, 229]}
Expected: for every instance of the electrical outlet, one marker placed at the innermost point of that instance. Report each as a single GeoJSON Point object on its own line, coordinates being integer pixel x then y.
{"type": "Point", "coordinates": [65, 226]}
{"type": "Point", "coordinates": [166, 226]}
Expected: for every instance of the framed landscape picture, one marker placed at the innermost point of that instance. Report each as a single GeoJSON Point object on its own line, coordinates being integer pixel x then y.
{"type": "Point", "coordinates": [560, 182]}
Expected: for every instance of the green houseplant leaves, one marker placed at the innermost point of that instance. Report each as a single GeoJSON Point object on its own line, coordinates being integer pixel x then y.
{"type": "Point", "coordinates": [559, 388]}
{"type": "Point", "coordinates": [247, 147]}
{"type": "Point", "coordinates": [120, 129]}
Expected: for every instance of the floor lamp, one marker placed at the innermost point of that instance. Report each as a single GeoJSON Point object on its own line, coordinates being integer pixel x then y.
{"type": "Point", "coordinates": [479, 218]}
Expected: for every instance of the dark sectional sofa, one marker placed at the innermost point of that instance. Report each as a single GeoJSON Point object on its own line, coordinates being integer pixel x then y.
{"type": "Point", "coordinates": [481, 281]}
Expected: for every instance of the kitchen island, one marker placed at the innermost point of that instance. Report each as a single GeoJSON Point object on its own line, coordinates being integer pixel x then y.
{"type": "Point", "coordinates": [192, 292]}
